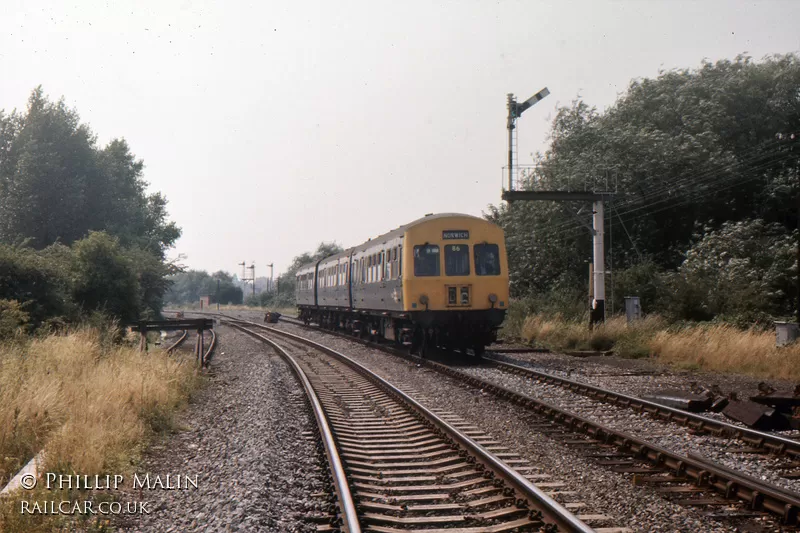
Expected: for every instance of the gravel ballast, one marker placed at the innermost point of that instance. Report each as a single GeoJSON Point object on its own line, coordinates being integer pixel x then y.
{"type": "Point", "coordinates": [674, 437]}
{"type": "Point", "coordinates": [243, 436]}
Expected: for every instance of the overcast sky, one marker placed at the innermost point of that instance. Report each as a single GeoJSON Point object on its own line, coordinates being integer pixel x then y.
{"type": "Point", "coordinates": [271, 126]}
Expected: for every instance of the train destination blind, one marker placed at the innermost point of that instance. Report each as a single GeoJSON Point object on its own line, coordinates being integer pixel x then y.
{"type": "Point", "coordinates": [453, 234]}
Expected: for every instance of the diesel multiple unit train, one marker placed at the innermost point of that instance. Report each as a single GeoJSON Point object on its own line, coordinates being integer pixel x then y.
{"type": "Point", "coordinates": [441, 281]}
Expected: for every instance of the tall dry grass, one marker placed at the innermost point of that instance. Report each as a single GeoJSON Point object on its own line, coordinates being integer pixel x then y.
{"type": "Point", "coordinates": [90, 404]}
{"type": "Point", "coordinates": [559, 334]}
{"type": "Point", "coordinates": [725, 348]}
{"type": "Point", "coordinates": [715, 347]}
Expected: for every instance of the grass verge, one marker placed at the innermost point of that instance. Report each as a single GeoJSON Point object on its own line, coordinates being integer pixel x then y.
{"type": "Point", "coordinates": [713, 347]}
{"type": "Point", "coordinates": [90, 404]}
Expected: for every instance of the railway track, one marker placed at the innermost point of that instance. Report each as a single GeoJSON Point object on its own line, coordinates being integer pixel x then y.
{"type": "Point", "coordinates": [207, 352]}
{"type": "Point", "coordinates": [760, 440]}
{"type": "Point", "coordinates": [398, 467]}
{"type": "Point", "coordinates": [690, 480]}
{"type": "Point", "coordinates": [177, 343]}
{"type": "Point", "coordinates": [757, 440]}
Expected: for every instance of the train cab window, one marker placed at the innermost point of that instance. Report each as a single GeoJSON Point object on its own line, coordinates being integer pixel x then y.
{"type": "Point", "coordinates": [487, 260]}
{"type": "Point", "coordinates": [426, 260]}
{"type": "Point", "coordinates": [456, 260]}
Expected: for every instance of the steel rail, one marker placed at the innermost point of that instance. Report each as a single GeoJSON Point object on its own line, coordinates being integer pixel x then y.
{"type": "Point", "coordinates": [769, 441]}
{"type": "Point", "coordinates": [211, 346]}
{"type": "Point", "coordinates": [179, 341]}
{"type": "Point", "coordinates": [348, 513]}
{"type": "Point", "coordinates": [551, 510]}
{"type": "Point", "coordinates": [759, 495]}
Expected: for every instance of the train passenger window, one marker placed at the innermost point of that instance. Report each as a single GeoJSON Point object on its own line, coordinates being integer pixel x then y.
{"type": "Point", "coordinates": [487, 260]}
{"type": "Point", "coordinates": [426, 260]}
{"type": "Point", "coordinates": [456, 260]}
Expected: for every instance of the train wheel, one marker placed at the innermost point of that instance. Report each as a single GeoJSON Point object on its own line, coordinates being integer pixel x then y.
{"type": "Point", "coordinates": [479, 350]}
{"type": "Point", "coordinates": [417, 339]}
{"type": "Point", "coordinates": [413, 346]}
{"type": "Point", "coordinates": [424, 346]}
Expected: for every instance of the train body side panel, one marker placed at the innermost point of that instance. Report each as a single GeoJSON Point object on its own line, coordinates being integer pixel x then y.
{"type": "Point", "coordinates": [374, 288]}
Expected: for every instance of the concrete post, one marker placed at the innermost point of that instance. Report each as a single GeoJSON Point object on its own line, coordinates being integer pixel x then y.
{"type": "Point", "coordinates": [598, 311]}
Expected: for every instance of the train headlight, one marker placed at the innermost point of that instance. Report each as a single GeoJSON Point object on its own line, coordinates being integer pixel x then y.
{"type": "Point", "coordinates": [493, 298]}
{"type": "Point", "coordinates": [423, 299]}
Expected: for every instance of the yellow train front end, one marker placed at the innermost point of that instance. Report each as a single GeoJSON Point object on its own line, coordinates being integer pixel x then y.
{"type": "Point", "coordinates": [455, 281]}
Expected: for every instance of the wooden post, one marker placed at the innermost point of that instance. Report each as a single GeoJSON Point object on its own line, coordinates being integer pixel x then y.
{"type": "Point", "coordinates": [201, 340]}
{"type": "Point", "coordinates": [197, 352]}
{"type": "Point", "coordinates": [143, 340]}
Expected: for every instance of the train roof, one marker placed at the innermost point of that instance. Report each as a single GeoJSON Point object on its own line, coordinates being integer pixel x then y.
{"type": "Point", "coordinates": [390, 235]}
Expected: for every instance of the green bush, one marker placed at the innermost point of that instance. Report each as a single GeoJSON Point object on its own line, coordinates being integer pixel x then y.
{"type": "Point", "coordinates": [39, 281]}
{"type": "Point", "coordinates": [13, 319]}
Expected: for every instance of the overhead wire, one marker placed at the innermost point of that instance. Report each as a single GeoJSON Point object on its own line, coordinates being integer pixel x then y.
{"type": "Point", "coordinates": [734, 182]}
{"type": "Point", "coordinates": [708, 177]}
{"type": "Point", "coordinates": [721, 176]}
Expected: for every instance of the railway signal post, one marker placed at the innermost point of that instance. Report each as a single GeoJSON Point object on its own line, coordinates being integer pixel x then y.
{"type": "Point", "coordinates": [598, 307]}
{"type": "Point", "coordinates": [598, 246]}
{"type": "Point", "coordinates": [515, 110]}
